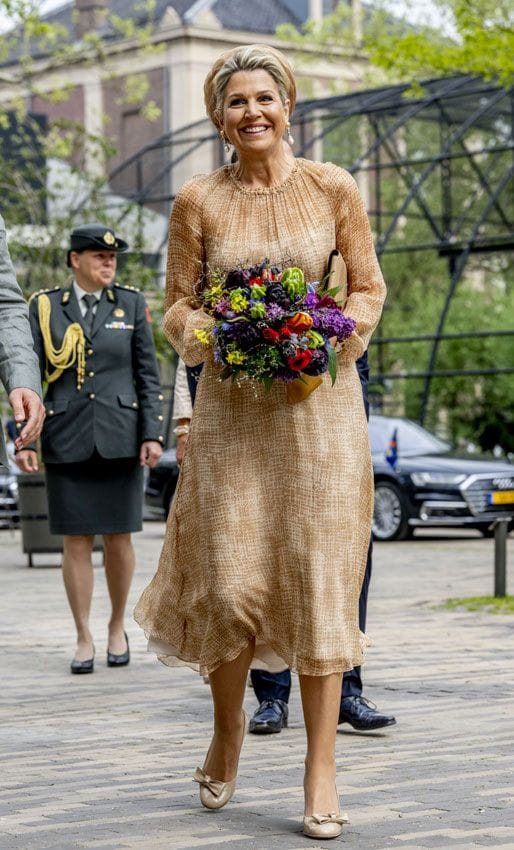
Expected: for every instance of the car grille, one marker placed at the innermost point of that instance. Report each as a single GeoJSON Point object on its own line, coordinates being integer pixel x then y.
{"type": "Point", "coordinates": [475, 490]}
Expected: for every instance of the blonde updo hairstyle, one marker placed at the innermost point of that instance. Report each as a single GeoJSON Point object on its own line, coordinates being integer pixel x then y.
{"type": "Point", "coordinates": [252, 57]}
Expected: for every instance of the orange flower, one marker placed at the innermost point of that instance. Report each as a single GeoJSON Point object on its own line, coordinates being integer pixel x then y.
{"type": "Point", "coordinates": [299, 322]}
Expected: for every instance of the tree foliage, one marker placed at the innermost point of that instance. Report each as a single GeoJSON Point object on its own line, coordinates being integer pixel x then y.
{"type": "Point", "coordinates": [477, 409]}
{"type": "Point", "coordinates": [52, 173]}
{"type": "Point", "coordinates": [481, 43]}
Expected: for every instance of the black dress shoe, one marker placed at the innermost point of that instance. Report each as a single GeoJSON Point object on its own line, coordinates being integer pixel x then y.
{"type": "Point", "coordinates": [363, 714]}
{"type": "Point", "coordinates": [119, 660]}
{"type": "Point", "coordinates": [271, 716]}
{"type": "Point", "coordinates": [87, 666]}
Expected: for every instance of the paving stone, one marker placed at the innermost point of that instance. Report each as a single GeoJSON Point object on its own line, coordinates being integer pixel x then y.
{"type": "Point", "coordinates": [104, 762]}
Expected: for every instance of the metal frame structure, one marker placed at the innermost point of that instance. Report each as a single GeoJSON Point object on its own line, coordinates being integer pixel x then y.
{"type": "Point", "coordinates": [448, 150]}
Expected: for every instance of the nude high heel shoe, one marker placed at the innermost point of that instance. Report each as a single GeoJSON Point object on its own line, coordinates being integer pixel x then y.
{"type": "Point", "coordinates": [214, 794]}
{"type": "Point", "coordinates": [325, 826]}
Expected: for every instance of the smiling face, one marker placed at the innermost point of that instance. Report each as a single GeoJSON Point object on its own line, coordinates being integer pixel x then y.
{"type": "Point", "coordinates": [93, 269]}
{"type": "Point", "coordinates": [254, 117]}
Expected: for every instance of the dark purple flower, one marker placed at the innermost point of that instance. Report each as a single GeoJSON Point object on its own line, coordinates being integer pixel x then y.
{"type": "Point", "coordinates": [319, 362]}
{"type": "Point", "coordinates": [237, 278]}
{"type": "Point", "coordinates": [276, 294]}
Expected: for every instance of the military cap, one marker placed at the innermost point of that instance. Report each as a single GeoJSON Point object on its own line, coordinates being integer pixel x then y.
{"type": "Point", "coordinates": [94, 236]}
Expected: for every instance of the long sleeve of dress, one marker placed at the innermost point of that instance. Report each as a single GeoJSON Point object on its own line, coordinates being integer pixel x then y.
{"type": "Point", "coordinates": [185, 265]}
{"type": "Point", "coordinates": [366, 287]}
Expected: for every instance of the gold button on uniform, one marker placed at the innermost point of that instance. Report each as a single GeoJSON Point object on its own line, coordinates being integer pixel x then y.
{"type": "Point", "coordinates": [90, 351]}
{"type": "Point", "coordinates": [134, 404]}
{"type": "Point", "coordinates": [91, 374]}
{"type": "Point", "coordinates": [160, 418]}
{"type": "Point", "coordinates": [92, 396]}
{"type": "Point", "coordinates": [161, 397]}
{"type": "Point", "coordinates": [50, 413]}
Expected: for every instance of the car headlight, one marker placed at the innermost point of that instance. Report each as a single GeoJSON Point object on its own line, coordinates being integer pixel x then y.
{"type": "Point", "coordinates": [441, 479]}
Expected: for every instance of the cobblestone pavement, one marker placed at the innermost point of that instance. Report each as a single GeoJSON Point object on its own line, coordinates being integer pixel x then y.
{"type": "Point", "coordinates": [105, 761]}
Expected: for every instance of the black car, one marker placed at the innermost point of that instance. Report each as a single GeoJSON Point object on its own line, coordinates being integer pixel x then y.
{"type": "Point", "coordinates": [9, 513]}
{"type": "Point", "coordinates": [430, 485]}
{"type": "Point", "coordinates": [161, 482]}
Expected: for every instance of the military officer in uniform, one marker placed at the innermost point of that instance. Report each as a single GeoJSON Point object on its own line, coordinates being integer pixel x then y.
{"type": "Point", "coordinates": [103, 424]}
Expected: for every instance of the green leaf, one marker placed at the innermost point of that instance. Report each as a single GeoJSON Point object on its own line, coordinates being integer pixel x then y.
{"type": "Point", "coordinates": [332, 364]}
{"type": "Point", "coordinates": [268, 383]}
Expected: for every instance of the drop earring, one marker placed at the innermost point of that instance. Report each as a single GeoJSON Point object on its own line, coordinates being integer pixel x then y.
{"type": "Point", "coordinates": [226, 143]}
{"type": "Point", "coordinates": [290, 139]}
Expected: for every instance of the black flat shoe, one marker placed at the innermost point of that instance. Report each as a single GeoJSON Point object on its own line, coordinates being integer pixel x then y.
{"type": "Point", "coordinates": [79, 667]}
{"type": "Point", "coordinates": [119, 660]}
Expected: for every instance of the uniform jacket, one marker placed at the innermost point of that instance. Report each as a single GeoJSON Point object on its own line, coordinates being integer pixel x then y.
{"type": "Point", "coordinates": [120, 403]}
{"type": "Point", "coordinates": [18, 363]}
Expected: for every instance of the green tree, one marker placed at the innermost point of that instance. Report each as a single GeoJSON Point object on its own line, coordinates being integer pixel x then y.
{"type": "Point", "coordinates": [470, 409]}
{"type": "Point", "coordinates": [481, 43]}
{"type": "Point", "coordinates": [42, 200]}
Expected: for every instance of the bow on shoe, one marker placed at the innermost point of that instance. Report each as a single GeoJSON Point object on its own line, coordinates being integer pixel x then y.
{"type": "Point", "coordinates": [331, 818]}
{"type": "Point", "coordinates": [215, 786]}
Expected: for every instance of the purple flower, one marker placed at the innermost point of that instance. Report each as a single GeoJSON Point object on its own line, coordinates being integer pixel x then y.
{"type": "Point", "coordinates": [274, 312]}
{"type": "Point", "coordinates": [332, 322]}
{"type": "Point", "coordinates": [310, 301]}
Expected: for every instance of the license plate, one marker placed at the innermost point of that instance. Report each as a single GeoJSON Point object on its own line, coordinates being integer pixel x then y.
{"type": "Point", "coordinates": [501, 497]}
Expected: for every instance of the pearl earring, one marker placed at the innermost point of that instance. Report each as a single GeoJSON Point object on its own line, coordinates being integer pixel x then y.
{"type": "Point", "coordinates": [289, 134]}
{"type": "Point", "coordinates": [226, 143]}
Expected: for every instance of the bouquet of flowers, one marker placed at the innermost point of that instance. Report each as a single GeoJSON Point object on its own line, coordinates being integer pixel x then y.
{"type": "Point", "coordinates": [269, 324]}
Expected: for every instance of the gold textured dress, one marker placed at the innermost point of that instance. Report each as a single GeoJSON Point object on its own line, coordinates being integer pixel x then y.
{"type": "Point", "coordinates": [270, 526]}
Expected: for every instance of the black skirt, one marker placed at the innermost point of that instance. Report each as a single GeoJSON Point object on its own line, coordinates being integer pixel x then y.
{"type": "Point", "coordinates": [96, 496]}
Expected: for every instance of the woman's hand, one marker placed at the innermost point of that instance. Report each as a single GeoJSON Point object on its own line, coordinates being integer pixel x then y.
{"type": "Point", "coordinates": [27, 460]}
{"type": "Point", "coordinates": [150, 452]}
{"type": "Point", "coordinates": [181, 447]}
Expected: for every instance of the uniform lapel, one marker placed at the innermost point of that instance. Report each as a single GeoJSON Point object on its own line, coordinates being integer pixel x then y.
{"type": "Point", "coordinates": [105, 306]}
{"type": "Point", "coordinates": [70, 306]}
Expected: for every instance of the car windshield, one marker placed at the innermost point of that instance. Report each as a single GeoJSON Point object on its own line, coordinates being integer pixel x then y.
{"type": "Point", "coordinates": [412, 439]}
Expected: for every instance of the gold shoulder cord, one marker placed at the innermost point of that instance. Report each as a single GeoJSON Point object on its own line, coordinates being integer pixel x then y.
{"type": "Point", "coordinates": [72, 348]}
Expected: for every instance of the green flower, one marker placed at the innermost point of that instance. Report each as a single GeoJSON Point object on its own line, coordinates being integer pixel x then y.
{"type": "Point", "coordinates": [293, 282]}
{"type": "Point", "coordinates": [315, 339]}
{"type": "Point", "coordinates": [258, 311]}
{"type": "Point", "coordinates": [238, 301]}
{"type": "Point", "coordinates": [235, 358]}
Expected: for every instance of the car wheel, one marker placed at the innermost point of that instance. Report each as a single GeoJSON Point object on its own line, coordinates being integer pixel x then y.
{"type": "Point", "coordinates": [390, 513]}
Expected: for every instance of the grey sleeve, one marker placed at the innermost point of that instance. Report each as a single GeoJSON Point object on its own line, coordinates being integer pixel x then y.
{"type": "Point", "coordinates": [19, 366]}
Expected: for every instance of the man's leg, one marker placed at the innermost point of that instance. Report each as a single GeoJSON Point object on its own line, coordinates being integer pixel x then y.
{"type": "Point", "coordinates": [272, 690]}
{"type": "Point", "coordinates": [355, 709]}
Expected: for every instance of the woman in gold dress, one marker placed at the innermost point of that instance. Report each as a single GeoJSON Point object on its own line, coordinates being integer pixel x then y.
{"type": "Point", "coordinates": [266, 544]}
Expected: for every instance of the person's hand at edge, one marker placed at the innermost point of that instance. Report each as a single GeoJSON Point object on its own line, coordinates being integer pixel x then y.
{"type": "Point", "coordinates": [28, 409]}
